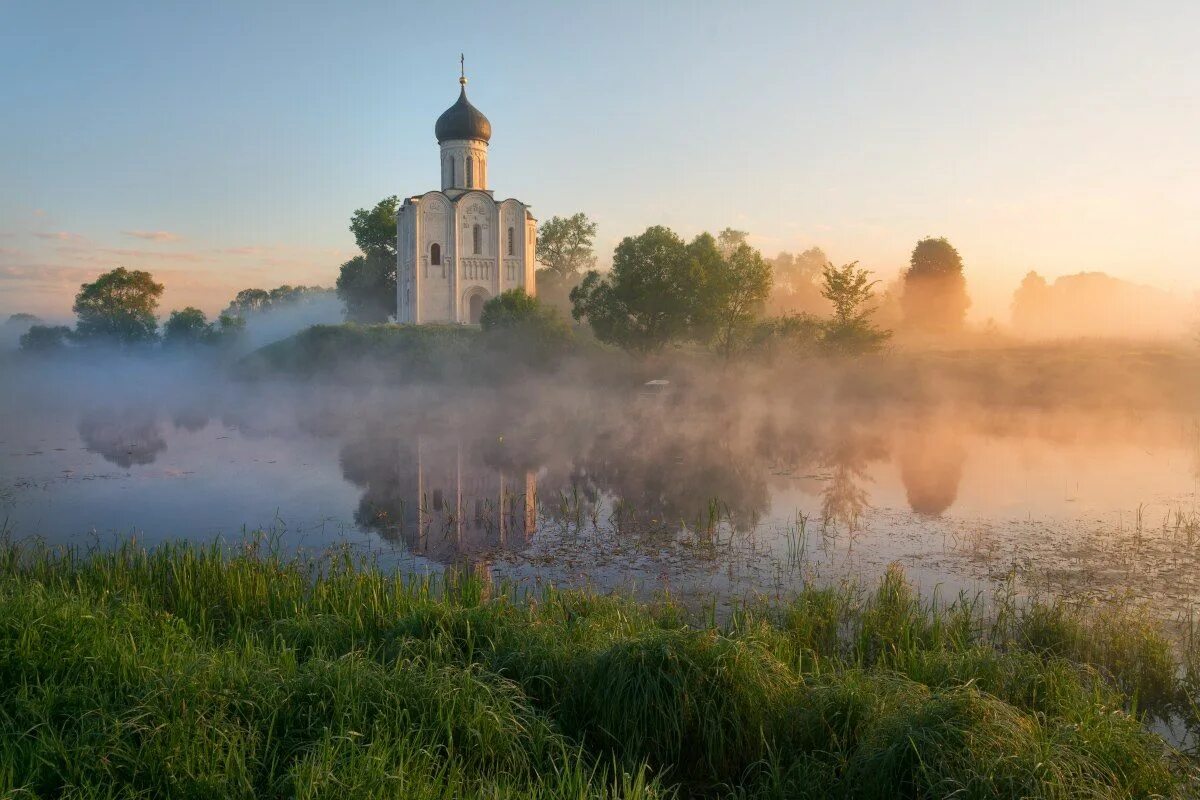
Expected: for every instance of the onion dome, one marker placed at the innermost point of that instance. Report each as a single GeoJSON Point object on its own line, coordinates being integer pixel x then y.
{"type": "Point", "coordinates": [462, 120]}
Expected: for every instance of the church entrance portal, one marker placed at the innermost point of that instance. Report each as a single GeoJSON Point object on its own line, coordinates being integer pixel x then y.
{"type": "Point", "coordinates": [475, 307]}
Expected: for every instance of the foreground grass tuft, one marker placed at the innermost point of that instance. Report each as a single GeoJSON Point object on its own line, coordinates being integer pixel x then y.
{"type": "Point", "coordinates": [198, 672]}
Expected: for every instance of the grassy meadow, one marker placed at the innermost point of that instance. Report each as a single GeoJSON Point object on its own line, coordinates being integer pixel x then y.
{"type": "Point", "coordinates": [207, 672]}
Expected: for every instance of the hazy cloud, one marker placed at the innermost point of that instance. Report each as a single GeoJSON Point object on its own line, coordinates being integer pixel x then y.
{"type": "Point", "coordinates": [155, 236]}
{"type": "Point", "coordinates": [98, 255]}
{"type": "Point", "coordinates": [46, 274]}
{"type": "Point", "coordinates": [128, 253]}
{"type": "Point", "coordinates": [61, 236]}
{"type": "Point", "coordinates": [246, 251]}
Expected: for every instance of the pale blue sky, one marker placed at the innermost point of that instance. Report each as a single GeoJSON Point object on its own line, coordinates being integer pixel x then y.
{"type": "Point", "coordinates": [224, 145]}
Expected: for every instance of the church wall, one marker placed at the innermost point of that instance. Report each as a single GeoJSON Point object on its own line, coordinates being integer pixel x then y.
{"type": "Point", "coordinates": [406, 258]}
{"type": "Point", "coordinates": [512, 260]}
{"type": "Point", "coordinates": [477, 265]}
{"type": "Point", "coordinates": [436, 280]}
{"type": "Point", "coordinates": [530, 257]}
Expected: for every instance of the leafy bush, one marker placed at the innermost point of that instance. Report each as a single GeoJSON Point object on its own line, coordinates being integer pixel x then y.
{"type": "Point", "coordinates": [523, 328]}
{"type": "Point", "coordinates": [45, 338]}
{"type": "Point", "coordinates": [395, 352]}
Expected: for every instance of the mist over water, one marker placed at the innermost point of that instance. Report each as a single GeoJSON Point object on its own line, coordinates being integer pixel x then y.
{"type": "Point", "coordinates": [743, 481]}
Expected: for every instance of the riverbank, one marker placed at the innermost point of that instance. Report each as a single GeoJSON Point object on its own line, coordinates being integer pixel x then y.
{"type": "Point", "coordinates": [189, 672]}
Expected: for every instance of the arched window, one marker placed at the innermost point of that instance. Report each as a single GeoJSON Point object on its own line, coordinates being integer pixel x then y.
{"type": "Point", "coordinates": [512, 245]}
{"type": "Point", "coordinates": [470, 172]}
{"type": "Point", "coordinates": [477, 239]}
{"type": "Point", "coordinates": [435, 254]}
{"type": "Point", "coordinates": [451, 183]}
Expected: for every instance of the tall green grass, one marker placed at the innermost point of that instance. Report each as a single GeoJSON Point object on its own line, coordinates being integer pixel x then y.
{"type": "Point", "coordinates": [201, 672]}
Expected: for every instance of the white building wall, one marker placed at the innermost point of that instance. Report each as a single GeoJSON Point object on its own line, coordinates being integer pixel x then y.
{"type": "Point", "coordinates": [456, 152]}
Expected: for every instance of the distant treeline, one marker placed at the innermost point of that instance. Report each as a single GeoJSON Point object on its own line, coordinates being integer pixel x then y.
{"type": "Point", "coordinates": [118, 310]}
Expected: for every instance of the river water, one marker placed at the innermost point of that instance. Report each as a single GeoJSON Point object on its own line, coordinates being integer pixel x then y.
{"type": "Point", "coordinates": [621, 488]}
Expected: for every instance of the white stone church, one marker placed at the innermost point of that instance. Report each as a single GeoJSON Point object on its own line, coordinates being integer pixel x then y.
{"type": "Point", "coordinates": [459, 247]}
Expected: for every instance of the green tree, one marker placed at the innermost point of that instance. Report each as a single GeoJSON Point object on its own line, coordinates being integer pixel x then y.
{"type": "Point", "coordinates": [509, 309]}
{"type": "Point", "coordinates": [935, 289]}
{"type": "Point", "coordinates": [850, 331]}
{"type": "Point", "coordinates": [363, 287]}
{"type": "Point", "coordinates": [227, 330]}
{"type": "Point", "coordinates": [190, 328]}
{"type": "Point", "coordinates": [734, 282]}
{"type": "Point", "coordinates": [647, 300]}
{"type": "Point", "coordinates": [23, 319]}
{"type": "Point", "coordinates": [248, 301]}
{"type": "Point", "coordinates": [797, 283]}
{"type": "Point", "coordinates": [564, 249]}
{"type": "Point", "coordinates": [366, 284]}
{"type": "Point", "coordinates": [185, 328]}
{"type": "Point", "coordinates": [516, 321]}
{"type": "Point", "coordinates": [14, 326]}
{"type": "Point", "coordinates": [45, 338]}
{"type": "Point", "coordinates": [118, 307]}
{"type": "Point", "coordinates": [564, 246]}
{"type": "Point", "coordinates": [730, 240]}
{"type": "Point", "coordinates": [375, 229]}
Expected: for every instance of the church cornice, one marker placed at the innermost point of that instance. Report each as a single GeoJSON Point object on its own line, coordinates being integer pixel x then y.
{"type": "Point", "coordinates": [457, 199]}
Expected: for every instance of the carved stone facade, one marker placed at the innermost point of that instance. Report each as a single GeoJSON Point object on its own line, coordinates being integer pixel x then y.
{"type": "Point", "coordinates": [458, 247]}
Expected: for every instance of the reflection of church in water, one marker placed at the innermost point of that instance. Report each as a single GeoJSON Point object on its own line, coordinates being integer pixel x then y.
{"type": "Point", "coordinates": [446, 502]}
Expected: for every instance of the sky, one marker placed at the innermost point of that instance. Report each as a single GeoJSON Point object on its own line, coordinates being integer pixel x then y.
{"type": "Point", "coordinates": [224, 145]}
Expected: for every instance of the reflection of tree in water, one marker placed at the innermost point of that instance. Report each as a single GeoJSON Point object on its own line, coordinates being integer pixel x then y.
{"type": "Point", "coordinates": [666, 474]}
{"type": "Point", "coordinates": [124, 438]}
{"type": "Point", "coordinates": [189, 419]}
{"type": "Point", "coordinates": [931, 465]}
{"type": "Point", "coordinates": [845, 499]}
{"type": "Point", "coordinates": [373, 463]}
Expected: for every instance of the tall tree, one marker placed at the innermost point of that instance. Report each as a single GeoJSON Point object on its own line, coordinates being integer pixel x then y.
{"type": "Point", "coordinates": [730, 240]}
{"type": "Point", "coordinates": [935, 290]}
{"type": "Point", "coordinates": [734, 281]}
{"type": "Point", "coordinates": [797, 285]}
{"type": "Point", "coordinates": [363, 287]}
{"type": "Point", "coordinates": [186, 328]}
{"type": "Point", "coordinates": [1032, 304]}
{"type": "Point", "coordinates": [564, 249]}
{"type": "Point", "coordinates": [45, 338]}
{"type": "Point", "coordinates": [366, 284]}
{"type": "Point", "coordinates": [118, 307]}
{"type": "Point", "coordinates": [647, 300]}
{"type": "Point", "coordinates": [375, 229]}
{"type": "Point", "coordinates": [23, 319]}
{"type": "Point", "coordinates": [850, 289]}
{"type": "Point", "coordinates": [248, 301]}
{"type": "Point", "coordinates": [190, 328]}
{"type": "Point", "coordinates": [564, 246]}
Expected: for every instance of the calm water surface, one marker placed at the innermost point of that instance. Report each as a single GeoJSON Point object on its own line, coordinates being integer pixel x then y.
{"type": "Point", "coordinates": [619, 489]}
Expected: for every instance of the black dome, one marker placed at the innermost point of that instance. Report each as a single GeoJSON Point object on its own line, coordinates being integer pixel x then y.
{"type": "Point", "coordinates": [462, 121]}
